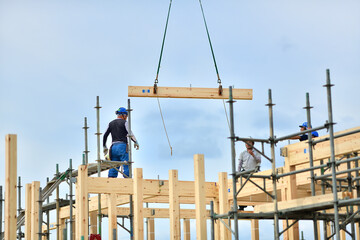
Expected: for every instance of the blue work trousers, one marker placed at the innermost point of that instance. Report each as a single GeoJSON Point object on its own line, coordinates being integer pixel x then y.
{"type": "Point", "coordinates": [118, 153]}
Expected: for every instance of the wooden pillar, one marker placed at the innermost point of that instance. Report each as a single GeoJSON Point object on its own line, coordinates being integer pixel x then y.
{"type": "Point", "coordinates": [138, 205]}
{"type": "Point", "coordinates": [10, 186]}
{"type": "Point", "coordinates": [28, 201]}
{"type": "Point", "coordinates": [342, 235]}
{"type": "Point", "coordinates": [151, 229]}
{"type": "Point", "coordinates": [61, 228]}
{"type": "Point", "coordinates": [35, 188]}
{"type": "Point", "coordinates": [82, 205]}
{"type": "Point", "coordinates": [112, 212]}
{"type": "Point", "coordinates": [224, 204]}
{"type": "Point", "coordinates": [186, 228]}
{"type": "Point", "coordinates": [217, 223]}
{"type": "Point", "coordinates": [254, 229]}
{"type": "Point", "coordinates": [174, 205]}
{"type": "Point", "coordinates": [200, 203]}
{"type": "Point", "coordinates": [93, 222]}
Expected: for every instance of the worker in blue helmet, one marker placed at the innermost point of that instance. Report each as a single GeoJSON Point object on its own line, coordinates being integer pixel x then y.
{"type": "Point", "coordinates": [119, 130]}
{"type": "Point", "coordinates": [304, 137]}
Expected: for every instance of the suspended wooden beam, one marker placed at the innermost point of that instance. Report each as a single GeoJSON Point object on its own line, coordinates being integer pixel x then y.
{"type": "Point", "coordinates": [189, 92]}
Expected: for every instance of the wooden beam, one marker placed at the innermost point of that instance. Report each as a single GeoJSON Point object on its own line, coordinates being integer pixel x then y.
{"type": "Point", "coordinates": [28, 201]}
{"type": "Point", "coordinates": [174, 205]}
{"type": "Point", "coordinates": [186, 229]}
{"type": "Point", "coordinates": [151, 229]}
{"type": "Point", "coordinates": [188, 92]}
{"type": "Point", "coordinates": [93, 222]}
{"type": "Point", "coordinates": [10, 186]}
{"type": "Point", "coordinates": [200, 204]}
{"type": "Point", "coordinates": [255, 229]}
{"type": "Point", "coordinates": [224, 204]}
{"type": "Point", "coordinates": [35, 188]}
{"type": "Point", "coordinates": [138, 205]}
{"type": "Point", "coordinates": [83, 203]}
{"type": "Point", "coordinates": [112, 215]}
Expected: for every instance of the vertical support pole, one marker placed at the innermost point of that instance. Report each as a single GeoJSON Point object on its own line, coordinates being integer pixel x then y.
{"type": "Point", "coordinates": [186, 229]}
{"type": "Point", "coordinates": [86, 141]}
{"type": "Point", "coordinates": [233, 163]}
{"type": "Point", "coordinates": [71, 195]}
{"type": "Point", "coordinates": [131, 215]}
{"type": "Point", "coordinates": [274, 173]}
{"type": "Point", "coordinates": [350, 188]}
{"type": "Point", "coordinates": [151, 229]}
{"type": "Point", "coordinates": [112, 214]}
{"type": "Point", "coordinates": [40, 215]}
{"type": "Point", "coordinates": [1, 211]}
{"type": "Point", "coordinates": [28, 202]}
{"type": "Point", "coordinates": [200, 204]}
{"type": "Point", "coordinates": [35, 188]}
{"type": "Point", "coordinates": [47, 216]}
{"type": "Point", "coordinates": [57, 206]}
{"type": "Point", "coordinates": [82, 203]}
{"type": "Point", "coordinates": [212, 219]}
{"type": "Point", "coordinates": [93, 222]}
{"type": "Point", "coordinates": [224, 204]}
{"type": "Point", "coordinates": [174, 205]}
{"type": "Point", "coordinates": [19, 205]}
{"type": "Point", "coordinates": [332, 151]}
{"type": "Point", "coordinates": [98, 159]}
{"type": "Point", "coordinates": [255, 229]}
{"type": "Point", "coordinates": [138, 205]}
{"type": "Point", "coordinates": [62, 228]}
{"type": "Point", "coordinates": [311, 161]}
{"type": "Point", "coordinates": [217, 223]}
{"type": "Point", "coordinates": [357, 195]}
{"type": "Point", "coordinates": [10, 186]}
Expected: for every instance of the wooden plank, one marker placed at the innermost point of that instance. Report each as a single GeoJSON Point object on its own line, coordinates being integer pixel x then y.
{"type": "Point", "coordinates": [138, 205]}
{"type": "Point", "coordinates": [93, 222]}
{"type": "Point", "coordinates": [224, 204]}
{"type": "Point", "coordinates": [189, 92]}
{"type": "Point", "coordinates": [112, 214]}
{"type": "Point", "coordinates": [174, 205]}
{"type": "Point", "coordinates": [83, 203]}
{"type": "Point", "coordinates": [28, 201]}
{"type": "Point", "coordinates": [186, 229]}
{"type": "Point", "coordinates": [61, 228]}
{"type": "Point", "coordinates": [35, 188]}
{"type": "Point", "coordinates": [10, 186]}
{"type": "Point", "coordinates": [151, 229]}
{"type": "Point", "coordinates": [254, 229]}
{"type": "Point", "coordinates": [200, 204]}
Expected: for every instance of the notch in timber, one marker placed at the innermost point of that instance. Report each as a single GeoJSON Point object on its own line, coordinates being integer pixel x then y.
{"type": "Point", "coordinates": [188, 92]}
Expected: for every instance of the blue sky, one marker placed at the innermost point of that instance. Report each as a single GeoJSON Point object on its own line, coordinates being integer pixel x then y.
{"type": "Point", "coordinates": [57, 56]}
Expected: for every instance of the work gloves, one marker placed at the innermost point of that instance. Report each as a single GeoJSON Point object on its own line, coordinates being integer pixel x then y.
{"type": "Point", "coordinates": [136, 145]}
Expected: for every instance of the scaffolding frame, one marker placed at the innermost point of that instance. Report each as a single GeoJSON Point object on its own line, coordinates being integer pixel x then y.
{"type": "Point", "coordinates": [332, 164]}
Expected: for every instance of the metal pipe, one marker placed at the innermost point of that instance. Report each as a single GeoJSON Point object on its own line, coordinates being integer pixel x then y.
{"type": "Point", "coordinates": [272, 144]}
{"type": "Point", "coordinates": [47, 216]}
{"type": "Point", "coordinates": [86, 141]}
{"type": "Point", "coordinates": [336, 136]}
{"type": "Point", "coordinates": [57, 206]}
{"type": "Point", "coordinates": [130, 176]}
{"type": "Point", "coordinates": [19, 205]}
{"type": "Point", "coordinates": [65, 234]}
{"type": "Point", "coordinates": [1, 211]}
{"type": "Point", "coordinates": [114, 234]}
{"type": "Point", "coordinates": [323, 192]}
{"type": "Point", "coordinates": [357, 186]}
{"type": "Point", "coordinates": [40, 215]}
{"type": "Point", "coordinates": [71, 199]}
{"type": "Point", "coordinates": [212, 219]}
{"type": "Point", "coordinates": [337, 173]}
{"type": "Point", "coordinates": [98, 159]}
{"type": "Point", "coordinates": [352, 224]}
{"type": "Point", "coordinates": [300, 133]}
{"type": "Point", "coordinates": [252, 139]}
{"type": "Point", "coordinates": [233, 163]}
{"type": "Point", "coordinates": [332, 150]}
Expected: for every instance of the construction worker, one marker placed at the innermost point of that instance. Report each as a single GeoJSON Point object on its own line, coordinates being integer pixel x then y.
{"type": "Point", "coordinates": [250, 159]}
{"type": "Point", "coordinates": [304, 137]}
{"type": "Point", "coordinates": [119, 148]}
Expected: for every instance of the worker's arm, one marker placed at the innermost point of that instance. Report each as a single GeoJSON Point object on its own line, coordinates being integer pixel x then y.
{"type": "Point", "coordinates": [106, 134]}
{"type": "Point", "coordinates": [240, 162]}
{"type": "Point", "coordinates": [132, 136]}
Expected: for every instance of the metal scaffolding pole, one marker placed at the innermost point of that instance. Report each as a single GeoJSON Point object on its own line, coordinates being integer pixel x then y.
{"type": "Point", "coordinates": [71, 200]}
{"type": "Point", "coordinates": [274, 178]}
{"type": "Point", "coordinates": [19, 205]}
{"type": "Point", "coordinates": [40, 215]}
{"type": "Point", "coordinates": [332, 158]}
{"type": "Point", "coordinates": [47, 216]}
{"type": "Point", "coordinates": [233, 163]}
{"type": "Point", "coordinates": [311, 161]}
{"type": "Point", "coordinates": [57, 206]}
{"type": "Point", "coordinates": [86, 141]}
{"type": "Point", "coordinates": [1, 211]}
{"type": "Point", "coordinates": [98, 159]}
{"type": "Point", "coordinates": [131, 215]}
{"type": "Point", "coordinates": [352, 224]}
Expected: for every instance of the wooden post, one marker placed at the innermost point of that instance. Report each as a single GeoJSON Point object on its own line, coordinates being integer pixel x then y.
{"type": "Point", "coordinates": [200, 203]}
{"type": "Point", "coordinates": [186, 228]}
{"type": "Point", "coordinates": [83, 203]}
{"type": "Point", "coordinates": [35, 188]}
{"type": "Point", "coordinates": [174, 205]}
{"type": "Point", "coordinates": [28, 201]}
{"type": "Point", "coordinates": [10, 186]}
{"type": "Point", "coordinates": [217, 223]}
{"type": "Point", "coordinates": [254, 229]}
{"type": "Point", "coordinates": [342, 235]}
{"type": "Point", "coordinates": [224, 204]}
{"type": "Point", "coordinates": [138, 205]}
{"type": "Point", "coordinates": [151, 229]}
{"type": "Point", "coordinates": [93, 222]}
{"type": "Point", "coordinates": [112, 213]}
{"type": "Point", "coordinates": [61, 228]}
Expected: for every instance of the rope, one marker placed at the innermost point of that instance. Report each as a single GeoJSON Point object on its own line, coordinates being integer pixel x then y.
{"type": "Point", "coordinates": [164, 126]}
{"type": "Point", "coordinates": [227, 119]}
{"type": "Point", "coordinates": [162, 46]}
{"type": "Point", "coordinates": [212, 51]}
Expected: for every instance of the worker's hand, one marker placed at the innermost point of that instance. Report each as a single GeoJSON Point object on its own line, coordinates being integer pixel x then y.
{"type": "Point", "coordinates": [136, 146]}
{"type": "Point", "coordinates": [250, 151]}
{"type": "Point", "coordinates": [106, 150]}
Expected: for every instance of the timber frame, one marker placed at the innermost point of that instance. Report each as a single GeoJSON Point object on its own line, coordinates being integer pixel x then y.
{"type": "Point", "coordinates": [319, 182]}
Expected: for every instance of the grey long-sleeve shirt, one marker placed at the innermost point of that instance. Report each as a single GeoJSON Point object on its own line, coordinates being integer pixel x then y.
{"type": "Point", "coordinates": [247, 161]}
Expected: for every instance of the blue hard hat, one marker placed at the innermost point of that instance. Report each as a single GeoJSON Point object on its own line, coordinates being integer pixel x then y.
{"type": "Point", "coordinates": [315, 134]}
{"type": "Point", "coordinates": [304, 125]}
{"type": "Point", "coordinates": [121, 111]}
